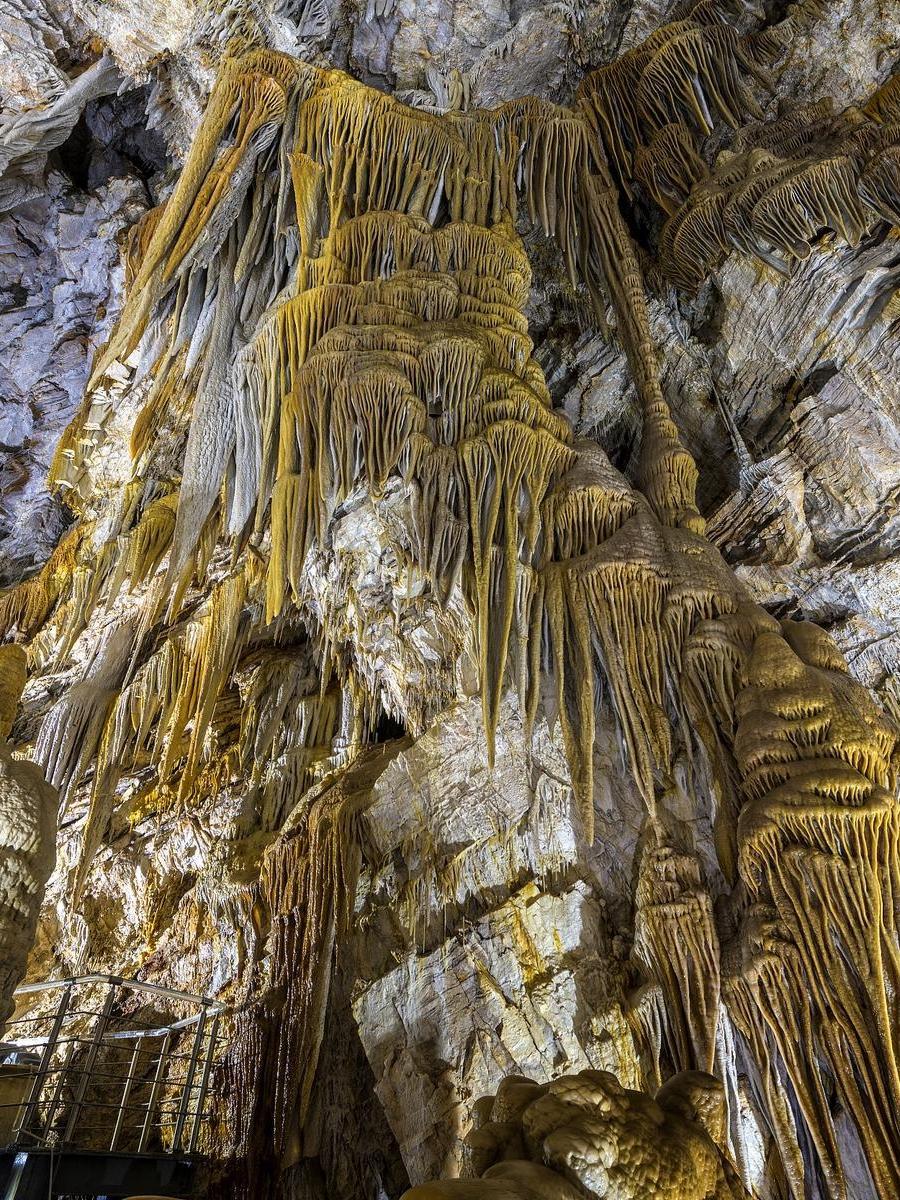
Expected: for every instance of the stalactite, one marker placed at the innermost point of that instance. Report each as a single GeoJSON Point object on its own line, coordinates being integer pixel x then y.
{"type": "Point", "coordinates": [288, 724]}
{"type": "Point", "coordinates": [147, 544]}
{"type": "Point", "coordinates": [884, 103]}
{"type": "Point", "coordinates": [70, 734]}
{"type": "Point", "coordinates": [675, 938]}
{"type": "Point", "coordinates": [781, 186]}
{"type": "Point", "coordinates": [27, 606]}
{"type": "Point", "coordinates": [687, 69]}
{"type": "Point", "coordinates": [769, 1001]}
{"type": "Point", "coordinates": [713, 662]}
{"type": "Point", "coordinates": [669, 166]}
{"type": "Point", "coordinates": [879, 183]}
{"type": "Point", "coordinates": [330, 308]}
{"type": "Point", "coordinates": [819, 830]}
{"type": "Point", "coordinates": [308, 884]}
{"type": "Point", "coordinates": [697, 73]}
{"type": "Point", "coordinates": [28, 812]}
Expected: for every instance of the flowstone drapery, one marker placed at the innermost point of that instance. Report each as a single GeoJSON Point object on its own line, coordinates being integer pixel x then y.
{"type": "Point", "coordinates": [331, 305]}
{"type": "Point", "coordinates": [28, 807]}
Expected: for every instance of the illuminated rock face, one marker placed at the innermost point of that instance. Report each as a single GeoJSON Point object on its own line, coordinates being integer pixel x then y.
{"type": "Point", "coordinates": [28, 807]}
{"type": "Point", "coordinates": [439, 738]}
{"type": "Point", "coordinates": [587, 1135]}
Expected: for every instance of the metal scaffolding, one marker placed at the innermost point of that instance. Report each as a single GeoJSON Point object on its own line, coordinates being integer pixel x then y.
{"type": "Point", "coordinates": [103, 1065]}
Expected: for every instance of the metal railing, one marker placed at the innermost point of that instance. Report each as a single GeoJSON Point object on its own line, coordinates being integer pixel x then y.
{"type": "Point", "coordinates": [103, 1063]}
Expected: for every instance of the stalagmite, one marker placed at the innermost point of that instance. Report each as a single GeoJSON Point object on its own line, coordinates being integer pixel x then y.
{"type": "Point", "coordinates": [587, 1135]}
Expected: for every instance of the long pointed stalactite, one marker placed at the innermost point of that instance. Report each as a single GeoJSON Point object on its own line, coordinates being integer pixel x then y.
{"type": "Point", "coordinates": [331, 304]}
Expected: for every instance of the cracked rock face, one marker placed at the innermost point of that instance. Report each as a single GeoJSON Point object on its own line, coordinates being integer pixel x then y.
{"type": "Point", "coordinates": [302, 807]}
{"type": "Point", "coordinates": [60, 274]}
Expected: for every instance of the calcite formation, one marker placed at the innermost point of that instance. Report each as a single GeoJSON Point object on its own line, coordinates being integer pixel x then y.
{"type": "Point", "coordinates": [586, 1134]}
{"type": "Point", "coordinates": [457, 730]}
{"type": "Point", "coordinates": [28, 807]}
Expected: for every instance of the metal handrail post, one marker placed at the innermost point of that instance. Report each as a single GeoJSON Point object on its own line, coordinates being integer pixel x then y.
{"type": "Point", "coordinates": [126, 1094]}
{"type": "Point", "coordinates": [57, 1091]}
{"type": "Point", "coordinates": [37, 1084]}
{"type": "Point", "coordinates": [93, 1048]}
{"type": "Point", "coordinates": [188, 1084]}
{"type": "Point", "coordinates": [204, 1083]}
{"type": "Point", "coordinates": [157, 1083]}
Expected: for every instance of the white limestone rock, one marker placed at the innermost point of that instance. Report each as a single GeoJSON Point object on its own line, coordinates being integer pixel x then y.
{"type": "Point", "coordinates": [520, 991]}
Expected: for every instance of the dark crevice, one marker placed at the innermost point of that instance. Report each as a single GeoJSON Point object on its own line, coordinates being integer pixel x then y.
{"type": "Point", "coordinates": [387, 729]}
{"type": "Point", "coordinates": [110, 140]}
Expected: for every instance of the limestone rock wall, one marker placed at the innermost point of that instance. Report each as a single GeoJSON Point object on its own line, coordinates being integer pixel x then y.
{"type": "Point", "coordinates": [487, 938]}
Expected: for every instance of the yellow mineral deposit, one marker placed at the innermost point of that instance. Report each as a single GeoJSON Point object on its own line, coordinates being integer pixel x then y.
{"type": "Point", "coordinates": [369, 251]}
{"type": "Point", "coordinates": [780, 185]}
{"type": "Point", "coordinates": [28, 812]}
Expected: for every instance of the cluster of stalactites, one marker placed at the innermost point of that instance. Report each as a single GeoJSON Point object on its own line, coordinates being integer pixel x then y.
{"type": "Point", "coordinates": [307, 314]}
{"type": "Point", "coordinates": [677, 944]}
{"type": "Point", "coordinates": [779, 185]}
{"type": "Point", "coordinates": [409, 355]}
{"type": "Point", "coordinates": [425, 372]}
{"type": "Point", "coordinates": [782, 184]}
{"type": "Point", "coordinates": [182, 712]}
{"type": "Point", "coordinates": [333, 296]}
{"type": "Point", "coordinates": [818, 760]}
{"type": "Point", "coordinates": [348, 150]}
{"type": "Point", "coordinates": [308, 884]}
{"type": "Point", "coordinates": [819, 836]}
{"type": "Point", "coordinates": [274, 127]}
{"type": "Point", "coordinates": [687, 75]}
{"type": "Point", "coordinates": [624, 613]}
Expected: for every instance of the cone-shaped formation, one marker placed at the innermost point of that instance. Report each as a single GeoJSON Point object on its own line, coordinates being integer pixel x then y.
{"type": "Point", "coordinates": [819, 834]}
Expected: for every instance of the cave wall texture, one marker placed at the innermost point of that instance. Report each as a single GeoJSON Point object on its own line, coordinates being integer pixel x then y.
{"type": "Point", "coordinates": [449, 529]}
